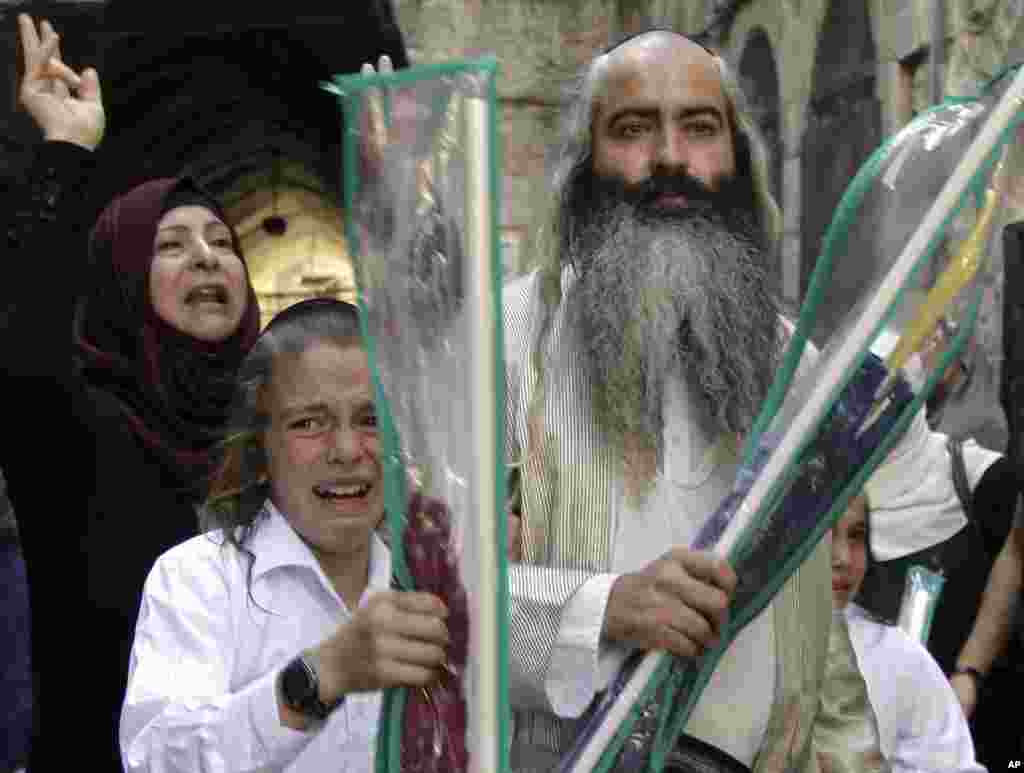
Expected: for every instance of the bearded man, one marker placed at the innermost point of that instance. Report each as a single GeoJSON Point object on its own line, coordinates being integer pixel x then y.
{"type": "Point", "coordinates": [638, 355]}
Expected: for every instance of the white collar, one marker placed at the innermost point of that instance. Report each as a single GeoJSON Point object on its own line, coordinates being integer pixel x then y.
{"type": "Point", "coordinates": [276, 544]}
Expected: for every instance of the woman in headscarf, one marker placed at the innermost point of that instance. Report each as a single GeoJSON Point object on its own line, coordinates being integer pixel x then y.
{"type": "Point", "coordinates": [159, 318]}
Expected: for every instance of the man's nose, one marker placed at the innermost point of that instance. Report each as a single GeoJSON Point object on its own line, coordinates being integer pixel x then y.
{"type": "Point", "coordinates": [671, 153]}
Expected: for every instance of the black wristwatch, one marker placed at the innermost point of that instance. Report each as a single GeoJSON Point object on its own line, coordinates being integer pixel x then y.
{"type": "Point", "coordinates": [300, 688]}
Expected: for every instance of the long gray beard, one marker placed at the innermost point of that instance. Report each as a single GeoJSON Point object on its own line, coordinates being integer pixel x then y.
{"type": "Point", "coordinates": [656, 296]}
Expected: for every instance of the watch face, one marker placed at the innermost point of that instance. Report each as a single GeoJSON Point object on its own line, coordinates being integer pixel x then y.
{"type": "Point", "coordinates": [296, 685]}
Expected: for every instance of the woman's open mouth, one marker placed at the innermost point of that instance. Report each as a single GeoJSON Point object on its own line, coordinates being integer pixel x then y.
{"type": "Point", "coordinates": [207, 294]}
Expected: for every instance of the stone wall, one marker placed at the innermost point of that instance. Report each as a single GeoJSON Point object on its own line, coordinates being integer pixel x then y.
{"type": "Point", "coordinates": [541, 43]}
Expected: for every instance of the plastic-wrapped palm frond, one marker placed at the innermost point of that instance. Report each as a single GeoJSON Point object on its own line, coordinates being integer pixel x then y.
{"type": "Point", "coordinates": [421, 202]}
{"type": "Point", "coordinates": [918, 218]}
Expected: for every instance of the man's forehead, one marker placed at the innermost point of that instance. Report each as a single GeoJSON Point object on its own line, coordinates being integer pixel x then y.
{"type": "Point", "coordinates": [659, 67]}
{"type": "Point", "coordinates": [658, 40]}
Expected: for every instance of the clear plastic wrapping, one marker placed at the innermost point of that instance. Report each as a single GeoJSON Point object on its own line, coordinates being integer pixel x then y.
{"type": "Point", "coordinates": [921, 595]}
{"type": "Point", "coordinates": [421, 204]}
{"type": "Point", "coordinates": [919, 216]}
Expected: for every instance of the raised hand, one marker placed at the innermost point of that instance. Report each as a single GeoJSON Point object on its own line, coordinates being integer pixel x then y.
{"type": "Point", "coordinates": [390, 121]}
{"type": "Point", "coordinates": [65, 105]}
{"type": "Point", "coordinates": [376, 127]}
{"type": "Point", "coordinates": [677, 603]}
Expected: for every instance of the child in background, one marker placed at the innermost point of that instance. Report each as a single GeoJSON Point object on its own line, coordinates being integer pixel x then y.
{"type": "Point", "coordinates": [885, 703]}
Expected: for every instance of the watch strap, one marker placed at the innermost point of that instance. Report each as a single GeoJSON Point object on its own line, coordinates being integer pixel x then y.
{"type": "Point", "coordinates": [307, 699]}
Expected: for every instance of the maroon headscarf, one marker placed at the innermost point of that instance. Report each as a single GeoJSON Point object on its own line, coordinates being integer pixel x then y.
{"type": "Point", "coordinates": [175, 390]}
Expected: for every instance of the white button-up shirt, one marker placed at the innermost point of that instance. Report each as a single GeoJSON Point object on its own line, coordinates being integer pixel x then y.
{"type": "Point", "coordinates": [921, 726]}
{"type": "Point", "coordinates": [201, 688]}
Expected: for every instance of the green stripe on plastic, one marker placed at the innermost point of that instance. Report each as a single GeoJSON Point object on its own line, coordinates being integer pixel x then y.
{"type": "Point", "coordinates": [349, 89]}
{"type": "Point", "coordinates": [500, 494]}
{"type": "Point", "coordinates": [834, 242]}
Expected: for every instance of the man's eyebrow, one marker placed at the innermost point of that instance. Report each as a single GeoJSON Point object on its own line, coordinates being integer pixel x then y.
{"type": "Point", "coordinates": [701, 110]}
{"type": "Point", "coordinates": [651, 111]}
{"type": "Point", "coordinates": [633, 111]}
{"type": "Point", "coordinates": [300, 408]}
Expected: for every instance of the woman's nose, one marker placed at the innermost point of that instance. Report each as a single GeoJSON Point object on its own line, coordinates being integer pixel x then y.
{"type": "Point", "coordinates": [203, 255]}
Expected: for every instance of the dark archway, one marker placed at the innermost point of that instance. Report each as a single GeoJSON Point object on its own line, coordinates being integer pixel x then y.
{"type": "Point", "coordinates": [195, 85]}
{"type": "Point", "coordinates": [843, 128]}
{"type": "Point", "coordinates": [759, 79]}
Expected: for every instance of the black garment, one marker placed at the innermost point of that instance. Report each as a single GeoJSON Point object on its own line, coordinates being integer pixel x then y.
{"type": "Point", "coordinates": [15, 665]}
{"type": "Point", "coordinates": [965, 559]}
{"type": "Point", "coordinates": [882, 591]}
{"type": "Point", "coordinates": [996, 740]}
{"type": "Point", "coordinates": [94, 506]}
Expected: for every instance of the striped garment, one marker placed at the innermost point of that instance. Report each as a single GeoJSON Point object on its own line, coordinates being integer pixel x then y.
{"type": "Point", "coordinates": [571, 497]}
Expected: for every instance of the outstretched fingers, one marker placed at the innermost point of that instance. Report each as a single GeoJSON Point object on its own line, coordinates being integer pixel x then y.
{"type": "Point", "coordinates": [377, 124]}
{"type": "Point", "coordinates": [29, 37]}
{"type": "Point", "coordinates": [36, 51]}
{"type": "Point", "coordinates": [44, 67]}
{"type": "Point", "coordinates": [65, 105]}
{"type": "Point", "coordinates": [64, 78]}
